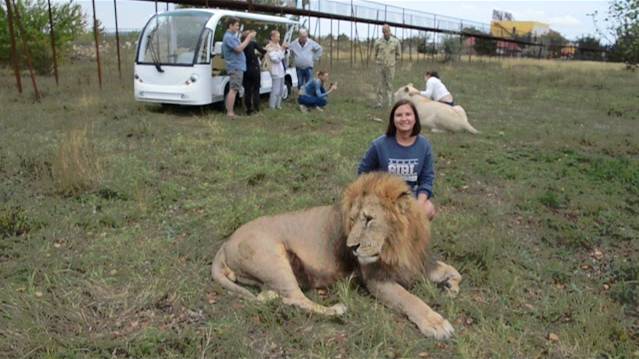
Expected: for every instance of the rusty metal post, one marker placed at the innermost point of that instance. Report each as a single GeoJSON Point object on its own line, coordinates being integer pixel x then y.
{"type": "Point", "coordinates": [352, 50]}
{"type": "Point", "coordinates": [401, 59]}
{"type": "Point", "coordinates": [331, 46]}
{"type": "Point", "coordinates": [25, 48]}
{"type": "Point", "coordinates": [14, 53]}
{"type": "Point", "coordinates": [337, 45]}
{"type": "Point", "coordinates": [55, 57]}
{"type": "Point", "coordinates": [117, 36]}
{"type": "Point", "coordinates": [97, 45]}
{"type": "Point", "coordinates": [410, 43]}
{"type": "Point", "coordinates": [319, 23]}
{"type": "Point", "coordinates": [368, 43]}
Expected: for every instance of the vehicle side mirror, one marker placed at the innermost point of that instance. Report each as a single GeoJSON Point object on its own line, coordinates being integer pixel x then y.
{"type": "Point", "coordinates": [217, 48]}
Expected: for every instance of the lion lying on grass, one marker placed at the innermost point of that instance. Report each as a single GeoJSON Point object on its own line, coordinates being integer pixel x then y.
{"type": "Point", "coordinates": [436, 116]}
{"type": "Point", "coordinates": [379, 234]}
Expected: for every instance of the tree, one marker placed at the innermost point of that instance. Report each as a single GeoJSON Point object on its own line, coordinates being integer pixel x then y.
{"type": "Point", "coordinates": [482, 46]}
{"type": "Point", "coordinates": [589, 48]}
{"type": "Point", "coordinates": [452, 47]}
{"type": "Point", "coordinates": [68, 22]}
{"type": "Point", "coordinates": [623, 18]}
{"type": "Point", "coordinates": [554, 42]}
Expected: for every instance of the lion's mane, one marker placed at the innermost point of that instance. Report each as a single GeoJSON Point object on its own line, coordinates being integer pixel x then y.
{"type": "Point", "coordinates": [405, 255]}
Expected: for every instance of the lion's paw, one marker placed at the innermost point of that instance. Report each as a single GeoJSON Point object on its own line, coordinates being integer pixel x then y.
{"type": "Point", "coordinates": [437, 327]}
{"type": "Point", "coordinates": [267, 296]}
{"type": "Point", "coordinates": [338, 309]}
{"type": "Point", "coordinates": [451, 287]}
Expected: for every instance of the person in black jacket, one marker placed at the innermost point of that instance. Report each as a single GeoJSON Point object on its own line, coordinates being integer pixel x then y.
{"type": "Point", "coordinates": [251, 80]}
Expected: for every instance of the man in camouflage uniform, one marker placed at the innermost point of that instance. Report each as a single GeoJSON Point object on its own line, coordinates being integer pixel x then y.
{"type": "Point", "coordinates": [387, 53]}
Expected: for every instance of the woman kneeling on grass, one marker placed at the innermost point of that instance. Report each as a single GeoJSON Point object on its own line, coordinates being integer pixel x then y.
{"type": "Point", "coordinates": [404, 152]}
{"type": "Point", "coordinates": [314, 92]}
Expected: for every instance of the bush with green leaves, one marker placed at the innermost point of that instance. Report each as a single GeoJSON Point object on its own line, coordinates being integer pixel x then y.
{"type": "Point", "coordinates": [452, 47]}
{"type": "Point", "coordinates": [68, 22]}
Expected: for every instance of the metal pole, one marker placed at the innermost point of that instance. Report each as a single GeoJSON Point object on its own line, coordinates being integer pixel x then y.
{"type": "Point", "coordinates": [337, 54]}
{"type": "Point", "coordinates": [352, 39]}
{"type": "Point", "coordinates": [331, 46]}
{"type": "Point", "coordinates": [410, 43]}
{"type": "Point", "coordinates": [156, 6]}
{"type": "Point", "coordinates": [401, 59]}
{"type": "Point", "coordinates": [97, 45]}
{"type": "Point", "coordinates": [117, 36]}
{"type": "Point", "coordinates": [319, 23]}
{"type": "Point", "coordinates": [26, 50]}
{"type": "Point", "coordinates": [14, 54]}
{"type": "Point", "coordinates": [55, 57]}
{"type": "Point", "coordinates": [368, 43]}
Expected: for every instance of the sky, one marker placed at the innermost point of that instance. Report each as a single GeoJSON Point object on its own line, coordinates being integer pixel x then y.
{"type": "Point", "coordinates": [570, 18]}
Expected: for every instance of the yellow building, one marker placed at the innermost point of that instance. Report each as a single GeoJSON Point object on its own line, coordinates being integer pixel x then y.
{"type": "Point", "coordinates": [508, 29]}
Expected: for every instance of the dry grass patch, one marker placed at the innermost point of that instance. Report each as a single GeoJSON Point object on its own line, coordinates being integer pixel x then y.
{"type": "Point", "coordinates": [76, 167]}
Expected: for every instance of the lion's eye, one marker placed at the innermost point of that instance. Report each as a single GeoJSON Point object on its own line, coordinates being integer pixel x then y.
{"type": "Point", "coordinates": [367, 219]}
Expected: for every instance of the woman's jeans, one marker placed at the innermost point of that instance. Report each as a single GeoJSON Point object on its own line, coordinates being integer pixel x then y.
{"type": "Point", "coordinates": [275, 99]}
{"type": "Point", "coordinates": [311, 101]}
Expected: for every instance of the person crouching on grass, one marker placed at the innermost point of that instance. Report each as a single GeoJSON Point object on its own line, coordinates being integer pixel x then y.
{"type": "Point", "coordinates": [404, 152]}
{"type": "Point", "coordinates": [315, 95]}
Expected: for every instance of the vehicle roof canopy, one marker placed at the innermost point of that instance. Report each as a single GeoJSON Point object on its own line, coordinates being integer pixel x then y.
{"type": "Point", "coordinates": [219, 13]}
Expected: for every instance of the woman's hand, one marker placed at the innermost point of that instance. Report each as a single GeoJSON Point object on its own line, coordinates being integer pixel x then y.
{"type": "Point", "coordinates": [429, 207]}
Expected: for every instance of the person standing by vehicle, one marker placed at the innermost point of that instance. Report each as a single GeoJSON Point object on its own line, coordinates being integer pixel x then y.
{"type": "Point", "coordinates": [404, 152]}
{"type": "Point", "coordinates": [276, 54]}
{"type": "Point", "coordinates": [251, 80]}
{"type": "Point", "coordinates": [233, 52]}
{"type": "Point", "coordinates": [305, 53]}
{"type": "Point", "coordinates": [387, 53]}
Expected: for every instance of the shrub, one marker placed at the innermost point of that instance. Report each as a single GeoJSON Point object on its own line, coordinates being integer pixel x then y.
{"type": "Point", "coordinates": [68, 22]}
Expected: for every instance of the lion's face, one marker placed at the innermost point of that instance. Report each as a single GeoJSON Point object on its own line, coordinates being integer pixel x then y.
{"type": "Point", "coordinates": [405, 92]}
{"type": "Point", "coordinates": [368, 229]}
{"type": "Point", "coordinates": [382, 221]}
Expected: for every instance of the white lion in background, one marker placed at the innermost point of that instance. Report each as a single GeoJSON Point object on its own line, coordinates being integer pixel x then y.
{"type": "Point", "coordinates": [436, 116]}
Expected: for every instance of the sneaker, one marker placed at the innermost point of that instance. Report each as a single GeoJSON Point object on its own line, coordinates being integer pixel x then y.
{"type": "Point", "coordinates": [319, 109]}
{"type": "Point", "coordinates": [303, 108]}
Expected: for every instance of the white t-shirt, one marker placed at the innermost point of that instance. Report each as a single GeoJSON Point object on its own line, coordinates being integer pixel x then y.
{"type": "Point", "coordinates": [435, 89]}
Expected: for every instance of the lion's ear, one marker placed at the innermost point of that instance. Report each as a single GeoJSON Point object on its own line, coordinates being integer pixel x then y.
{"type": "Point", "coordinates": [411, 85]}
{"type": "Point", "coordinates": [403, 201]}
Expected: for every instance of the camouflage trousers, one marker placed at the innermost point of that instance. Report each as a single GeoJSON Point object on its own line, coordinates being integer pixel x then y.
{"type": "Point", "coordinates": [385, 88]}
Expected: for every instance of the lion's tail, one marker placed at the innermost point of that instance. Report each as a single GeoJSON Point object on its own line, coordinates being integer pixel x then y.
{"type": "Point", "coordinates": [467, 126]}
{"type": "Point", "coordinates": [221, 272]}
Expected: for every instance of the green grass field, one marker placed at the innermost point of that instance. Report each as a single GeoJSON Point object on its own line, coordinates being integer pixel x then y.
{"type": "Point", "coordinates": [111, 212]}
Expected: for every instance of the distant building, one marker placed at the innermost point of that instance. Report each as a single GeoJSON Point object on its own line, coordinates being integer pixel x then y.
{"type": "Point", "coordinates": [512, 29]}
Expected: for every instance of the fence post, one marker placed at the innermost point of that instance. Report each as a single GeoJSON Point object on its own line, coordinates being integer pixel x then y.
{"type": "Point", "coordinates": [331, 46]}
{"type": "Point", "coordinates": [97, 45]}
{"type": "Point", "coordinates": [14, 54]}
{"type": "Point", "coordinates": [52, 34]}
{"type": "Point", "coordinates": [352, 39]}
{"type": "Point", "coordinates": [117, 36]}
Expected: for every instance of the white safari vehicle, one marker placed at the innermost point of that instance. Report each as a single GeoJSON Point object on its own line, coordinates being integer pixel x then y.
{"type": "Point", "coordinates": [179, 55]}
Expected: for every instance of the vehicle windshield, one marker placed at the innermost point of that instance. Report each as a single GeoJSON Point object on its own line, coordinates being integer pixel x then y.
{"type": "Point", "coordinates": [172, 39]}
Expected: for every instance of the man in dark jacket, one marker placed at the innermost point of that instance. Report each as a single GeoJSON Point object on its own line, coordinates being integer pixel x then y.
{"type": "Point", "coordinates": [251, 81]}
